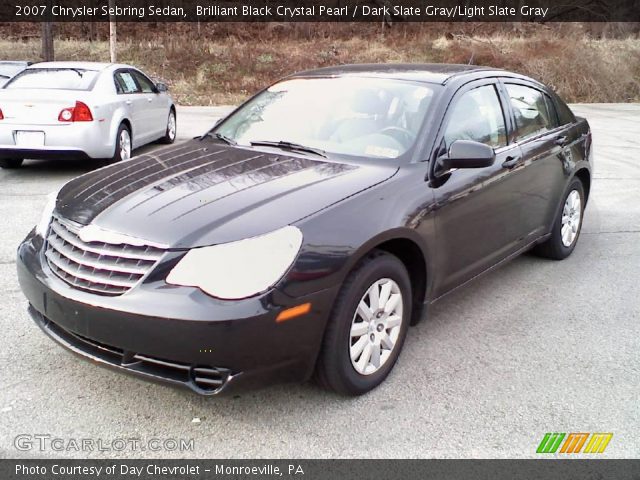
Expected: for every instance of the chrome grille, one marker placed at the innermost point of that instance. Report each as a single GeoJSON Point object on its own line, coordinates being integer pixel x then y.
{"type": "Point", "coordinates": [98, 267]}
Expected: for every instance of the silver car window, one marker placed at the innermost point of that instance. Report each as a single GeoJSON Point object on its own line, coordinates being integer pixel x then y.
{"type": "Point", "coordinates": [9, 70]}
{"type": "Point", "coordinates": [146, 85]}
{"type": "Point", "coordinates": [125, 83]}
{"type": "Point", "coordinates": [54, 79]}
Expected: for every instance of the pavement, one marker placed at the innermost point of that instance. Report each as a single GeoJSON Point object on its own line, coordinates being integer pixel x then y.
{"type": "Point", "coordinates": [536, 346]}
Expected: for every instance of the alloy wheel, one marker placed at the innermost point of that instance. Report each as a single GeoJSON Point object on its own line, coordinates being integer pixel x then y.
{"type": "Point", "coordinates": [125, 145]}
{"type": "Point", "coordinates": [376, 326]}
{"type": "Point", "coordinates": [571, 218]}
{"type": "Point", "coordinates": [171, 126]}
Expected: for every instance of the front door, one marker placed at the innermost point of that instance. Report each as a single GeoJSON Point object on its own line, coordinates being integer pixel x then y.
{"type": "Point", "coordinates": [477, 209]}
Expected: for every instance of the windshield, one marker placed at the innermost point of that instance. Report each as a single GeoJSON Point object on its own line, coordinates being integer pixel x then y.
{"type": "Point", "coordinates": [54, 78]}
{"type": "Point", "coordinates": [367, 117]}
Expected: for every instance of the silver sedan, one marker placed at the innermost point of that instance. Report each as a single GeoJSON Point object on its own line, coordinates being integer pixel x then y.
{"type": "Point", "coordinates": [82, 110]}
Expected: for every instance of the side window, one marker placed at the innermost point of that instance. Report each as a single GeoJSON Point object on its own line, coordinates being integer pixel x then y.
{"type": "Point", "coordinates": [565, 115]}
{"type": "Point", "coordinates": [477, 115]}
{"type": "Point", "coordinates": [125, 83]}
{"type": "Point", "coordinates": [146, 85]}
{"type": "Point", "coordinates": [531, 110]}
{"type": "Point", "coordinates": [553, 114]}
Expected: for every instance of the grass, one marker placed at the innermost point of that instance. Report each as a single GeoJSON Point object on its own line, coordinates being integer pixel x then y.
{"type": "Point", "coordinates": [224, 67]}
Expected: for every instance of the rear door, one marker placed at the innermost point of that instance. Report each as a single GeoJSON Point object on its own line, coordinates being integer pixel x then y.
{"type": "Point", "coordinates": [477, 219]}
{"type": "Point", "coordinates": [544, 145]}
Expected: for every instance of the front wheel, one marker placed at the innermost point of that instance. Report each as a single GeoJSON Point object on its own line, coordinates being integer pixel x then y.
{"type": "Point", "coordinates": [367, 327]}
{"type": "Point", "coordinates": [566, 228]}
{"type": "Point", "coordinates": [11, 162]}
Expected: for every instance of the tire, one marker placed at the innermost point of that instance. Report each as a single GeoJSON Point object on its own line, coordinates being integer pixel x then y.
{"type": "Point", "coordinates": [122, 152]}
{"type": "Point", "coordinates": [560, 245]}
{"type": "Point", "coordinates": [11, 162]}
{"type": "Point", "coordinates": [335, 369]}
{"type": "Point", "coordinates": [170, 133]}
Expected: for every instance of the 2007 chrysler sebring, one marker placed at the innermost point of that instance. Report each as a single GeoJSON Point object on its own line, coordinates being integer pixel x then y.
{"type": "Point", "coordinates": [306, 231]}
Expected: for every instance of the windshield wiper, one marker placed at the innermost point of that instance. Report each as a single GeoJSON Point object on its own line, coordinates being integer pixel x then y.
{"type": "Point", "coordinates": [220, 136]}
{"type": "Point", "coordinates": [289, 146]}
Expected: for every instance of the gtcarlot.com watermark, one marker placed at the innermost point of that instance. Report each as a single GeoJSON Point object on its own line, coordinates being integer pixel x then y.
{"type": "Point", "coordinates": [26, 442]}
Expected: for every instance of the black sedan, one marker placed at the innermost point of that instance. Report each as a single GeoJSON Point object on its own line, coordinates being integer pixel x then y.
{"type": "Point", "coordinates": [306, 231]}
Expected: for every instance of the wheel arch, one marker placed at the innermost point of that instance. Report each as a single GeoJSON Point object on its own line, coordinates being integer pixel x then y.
{"type": "Point", "coordinates": [584, 176]}
{"type": "Point", "coordinates": [118, 118]}
{"type": "Point", "coordinates": [127, 123]}
{"type": "Point", "coordinates": [413, 254]}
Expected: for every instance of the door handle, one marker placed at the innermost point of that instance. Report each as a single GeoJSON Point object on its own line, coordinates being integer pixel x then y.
{"type": "Point", "coordinates": [149, 100]}
{"type": "Point", "coordinates": [561, 141]}
{"type": "Point", "coordinates": [511, 161]}
{"type": "Point", "coordinates": [128, 102]}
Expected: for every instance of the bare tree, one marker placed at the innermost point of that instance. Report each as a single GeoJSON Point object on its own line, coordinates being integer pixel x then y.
{"type": "Point", "coordinates": [112, 33]}
{"type": "Point", "coordinates": [47, 42]}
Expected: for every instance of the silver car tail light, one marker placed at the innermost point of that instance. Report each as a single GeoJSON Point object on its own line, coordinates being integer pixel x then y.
{"type": "Point", "coordinates": [78, 113]}
{"type": "Point", "coordinates": [96, 266]}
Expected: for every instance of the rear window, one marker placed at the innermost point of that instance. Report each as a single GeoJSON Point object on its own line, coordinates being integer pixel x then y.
{"type": "Point", "coordinates": [54, 79]}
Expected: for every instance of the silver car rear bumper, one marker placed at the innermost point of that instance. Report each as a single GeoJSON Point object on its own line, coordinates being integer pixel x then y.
{"type": "Point", "coordinates": [80, 139]}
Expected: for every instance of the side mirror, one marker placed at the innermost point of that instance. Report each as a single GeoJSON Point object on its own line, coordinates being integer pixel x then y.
{"type": "Point", "coordinates": [161, 87]}
{"type": "Point", "coordinates": [468, 154]}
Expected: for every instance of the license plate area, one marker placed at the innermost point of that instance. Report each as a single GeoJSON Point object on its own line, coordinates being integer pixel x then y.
{"type": "Point", "coordinates": [29, 139]}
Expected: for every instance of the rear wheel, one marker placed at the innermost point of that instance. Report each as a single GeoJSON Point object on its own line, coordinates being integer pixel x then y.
{"type": "Point", "coordinates": [367, 327]}
{"type": "Point", "coordinates": [172, 127]}
{"type": "Point", "coordinates": [11, 162]}
{"type": "Point", "coordinates": [123, 144]}
{"type": "Point", "coordinates": [567, 227]}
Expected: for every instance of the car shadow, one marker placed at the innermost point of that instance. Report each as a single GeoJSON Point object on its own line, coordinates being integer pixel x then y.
{"type": "Point", "coordinates": [70, 168]}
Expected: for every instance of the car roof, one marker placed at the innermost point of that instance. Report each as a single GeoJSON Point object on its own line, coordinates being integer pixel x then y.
{"type": "Point", "coordinates": [14, 62]}
{"type": "Point", "coordinates": [422, 72]}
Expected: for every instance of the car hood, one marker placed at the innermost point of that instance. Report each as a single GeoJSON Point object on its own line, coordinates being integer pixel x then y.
{"type": "Point", "coordinates": [203, 193]}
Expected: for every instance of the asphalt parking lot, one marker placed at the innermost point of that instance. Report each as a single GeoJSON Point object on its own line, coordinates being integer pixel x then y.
{"type": "Point", "coordinates": [536, 346]}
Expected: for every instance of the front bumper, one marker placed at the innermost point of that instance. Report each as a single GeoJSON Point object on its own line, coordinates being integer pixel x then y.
{"type": "Point", "coordinates": [177, 334]}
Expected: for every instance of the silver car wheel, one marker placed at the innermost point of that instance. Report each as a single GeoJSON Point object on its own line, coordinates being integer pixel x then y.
{"type": "Point", "coordinates": [171, 126]}
{"type": "Point", "coordinates": [376, 326]}
{"type": "Point", "coordinates": [571, 218]}
{"type": "Point", "coordinates": [125, 145]}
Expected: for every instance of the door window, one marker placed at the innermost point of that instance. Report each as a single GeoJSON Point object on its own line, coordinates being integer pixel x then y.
{"type": "Point", "coordinates": [565, 116]}
{"type": "Point", "coordinates": [146, 85]}
{"type": "Point", "coordinates": [477, 115]}
{"type": "Point", "coordinates": [531, 111]}
{"type": "Point", "coordinates": [125, 83]}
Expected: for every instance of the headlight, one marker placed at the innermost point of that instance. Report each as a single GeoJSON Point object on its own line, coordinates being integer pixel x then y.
{"type": "Point", "coordinates": [47, 213]}
{"type": "Point", "coordinates": [240, 269]}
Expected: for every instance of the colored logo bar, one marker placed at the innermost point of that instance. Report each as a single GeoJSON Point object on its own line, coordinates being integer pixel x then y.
{"type": "Point", "coordinates": [573, 442]}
